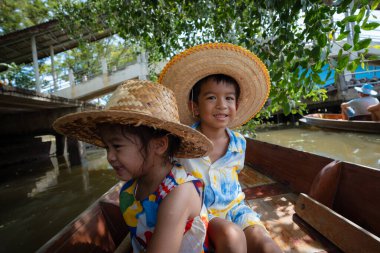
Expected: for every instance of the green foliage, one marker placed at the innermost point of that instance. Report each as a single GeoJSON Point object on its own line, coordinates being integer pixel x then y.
{"type": "Point", "coordinates": [17, 75]}
{"type": "Point", "coordinates": [20, 14]}
{"type": "Point", "coordinates": [295, 52]}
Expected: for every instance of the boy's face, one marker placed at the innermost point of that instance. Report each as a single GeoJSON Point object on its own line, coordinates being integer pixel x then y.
{"type": "Point", "coordinates": [217, 104]}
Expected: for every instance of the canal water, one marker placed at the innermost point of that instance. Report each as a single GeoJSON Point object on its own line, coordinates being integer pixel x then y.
{"type": "Point", "coordinates": [38, 203]}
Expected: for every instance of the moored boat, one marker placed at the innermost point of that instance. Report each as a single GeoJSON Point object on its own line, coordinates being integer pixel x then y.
{"type": "Point", "coordinates": [308, 203]}
{"type": "Point", "coordinates": [335, 121]}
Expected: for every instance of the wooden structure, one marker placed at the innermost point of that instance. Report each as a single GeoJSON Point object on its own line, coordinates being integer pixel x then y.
{"type": "Point", "coordinates": [308, 203]}
{"type": "Point", "coordinates": [335, 121]}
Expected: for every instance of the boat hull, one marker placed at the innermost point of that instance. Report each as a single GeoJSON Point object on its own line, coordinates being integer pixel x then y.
{"type": "Point", "coordinates": [335, 121]}
{"type": "Point", "coordinates": [307, 202]}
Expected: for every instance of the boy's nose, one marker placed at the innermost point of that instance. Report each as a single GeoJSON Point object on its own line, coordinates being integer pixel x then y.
{"type": "Point", "coordinates": [221, 104]}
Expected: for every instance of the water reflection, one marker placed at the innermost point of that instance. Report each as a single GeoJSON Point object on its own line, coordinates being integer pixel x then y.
{"type": "Point", "coordinates": [50, 194]}
{"type": "Point", "coordinates": [353, 147]}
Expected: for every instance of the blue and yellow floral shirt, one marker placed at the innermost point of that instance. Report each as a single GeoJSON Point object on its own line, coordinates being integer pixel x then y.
{"type": "Point", "coordinates": [222, 187]}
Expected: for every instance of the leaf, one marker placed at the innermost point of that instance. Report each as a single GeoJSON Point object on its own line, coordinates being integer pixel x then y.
{"type": "Point", "coordinates": [370, 26]}
{"type": "Point", "coordinates": [343, 61]}
{"type": "Point", "coordinates": [322, 40]}
{"type": "Point", "coordinates": [362, 44]}
{"type": "Point", "coordinates": [342, 36]}
{"type": "Point", "coordinates": [346, 46]}
{"type": "Point", "coordinates": [316, 78]}
{"type": "Point", "coordinates": [352, 66]}
{"type": "Point", "coordinates": [375, 4]}
{"type": "Point", "coordinates": [360, 16]}
{"type": "Point", "coordinates": [286, 108]}
{"type": "Point", "coordinates": [348, 19]}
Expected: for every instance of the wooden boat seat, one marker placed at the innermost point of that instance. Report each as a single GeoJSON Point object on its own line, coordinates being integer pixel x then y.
{"type": "Point", "coordinates": [331, 207]}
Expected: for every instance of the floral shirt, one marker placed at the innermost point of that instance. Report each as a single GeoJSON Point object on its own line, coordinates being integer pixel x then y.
{"type": "Point", "coordinates": [222, 187]}
{"type": "Point", "coordinates": [141, 215]}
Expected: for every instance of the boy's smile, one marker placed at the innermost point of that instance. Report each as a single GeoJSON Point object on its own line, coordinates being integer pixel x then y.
{"type": "Point", "coordinates": [216, 104]}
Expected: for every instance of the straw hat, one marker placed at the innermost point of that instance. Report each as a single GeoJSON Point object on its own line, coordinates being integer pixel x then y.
{"type": "Point", "coordinates": [187, 68]}
{"type": "Point", "coordinates": [136, 103]}
{"type": "Point", "coordinates": [366, 89]}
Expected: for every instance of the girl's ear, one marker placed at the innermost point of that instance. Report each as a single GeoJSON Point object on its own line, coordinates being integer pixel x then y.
{"type": "Point", "coordinates": [194, 108]}
{"type": "Point", "coordinates": [160, 145]}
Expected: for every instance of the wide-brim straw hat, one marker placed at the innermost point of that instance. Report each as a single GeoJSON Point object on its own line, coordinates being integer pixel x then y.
{"type": "Point", "coordinates": [366, 89]}
{"type": "Point", "coordinates": [136, 103]}
{"type": "Point", "coordinates": [184, 70]}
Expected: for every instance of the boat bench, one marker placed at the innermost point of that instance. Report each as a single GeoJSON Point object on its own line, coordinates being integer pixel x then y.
{"type": "Point", "coordinates": [341, 200]}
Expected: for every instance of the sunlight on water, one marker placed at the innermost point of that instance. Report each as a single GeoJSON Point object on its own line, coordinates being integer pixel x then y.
{"type": "Point", "coordinates": [360, 148]}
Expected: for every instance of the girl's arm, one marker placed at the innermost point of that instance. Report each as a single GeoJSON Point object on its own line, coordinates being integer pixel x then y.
{"type": "Point", "coordinates": [181, 205]}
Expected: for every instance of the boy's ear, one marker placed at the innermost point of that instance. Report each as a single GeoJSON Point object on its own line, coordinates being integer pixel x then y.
{"type": "Point", "coordinates": [160, 145]}
{"type": "Point", "coordinates": [194, 109]}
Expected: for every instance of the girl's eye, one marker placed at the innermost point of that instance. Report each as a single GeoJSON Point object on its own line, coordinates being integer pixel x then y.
{"type": "Point", "coordinates": [116, 146]}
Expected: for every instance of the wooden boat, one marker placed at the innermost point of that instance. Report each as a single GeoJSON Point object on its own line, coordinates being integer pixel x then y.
{"type": "Point", "coordinates": [308, 203]}
{"type": "Point", "coordinates": [330, 120]}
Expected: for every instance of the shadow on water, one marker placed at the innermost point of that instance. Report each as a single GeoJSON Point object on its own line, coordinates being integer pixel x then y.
{"type": "Point", "coordinates": [38, 203]}
{"type": "Point", "coordinates": [354, 147]}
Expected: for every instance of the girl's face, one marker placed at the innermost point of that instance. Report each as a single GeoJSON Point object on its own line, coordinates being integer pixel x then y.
{"type": "Point", "coordinates": [216, 104]}
{"type": "Point", "coordinates": [124, 152]}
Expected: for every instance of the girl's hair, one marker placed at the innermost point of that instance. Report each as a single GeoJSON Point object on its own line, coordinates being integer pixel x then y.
{"type": "Point", "coordinates": [218, 78]}
{"type": "Point", "coordinates": [146, 134]}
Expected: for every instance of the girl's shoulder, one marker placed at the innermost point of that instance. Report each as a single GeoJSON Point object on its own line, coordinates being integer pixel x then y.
{"type": "Point", "coordinates": [181, 175]}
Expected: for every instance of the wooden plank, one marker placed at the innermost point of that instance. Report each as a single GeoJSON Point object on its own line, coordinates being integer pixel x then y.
{"type": "Point", "coordinates": [263, 191]}
{"type": "Point", "coordinates": [344, 233]}
{"type": "Point", "coordinates": [293, 168]}
{"type": "Point", "coordinates": [249, 177]}
{"type": "Point", "coordinates": [358, 196]}
{"type": "Point", "coordinates": [277, 216]}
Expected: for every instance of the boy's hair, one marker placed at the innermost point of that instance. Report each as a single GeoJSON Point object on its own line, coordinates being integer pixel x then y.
{"type": "Point", "coordinates": [146, 134]}
{"type": "Point", "coordinates": [218, 78]}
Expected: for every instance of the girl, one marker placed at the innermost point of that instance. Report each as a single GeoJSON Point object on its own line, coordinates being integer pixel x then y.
{"type": "Point", "coordinates": [141, 132]}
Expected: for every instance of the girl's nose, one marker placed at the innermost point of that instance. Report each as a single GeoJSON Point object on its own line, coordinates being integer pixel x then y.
{"type": "Point", "coordinates": [111, 156]}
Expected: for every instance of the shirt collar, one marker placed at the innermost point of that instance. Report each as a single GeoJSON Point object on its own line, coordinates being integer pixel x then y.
{"type": "Point", "coordinates": [233, 144]}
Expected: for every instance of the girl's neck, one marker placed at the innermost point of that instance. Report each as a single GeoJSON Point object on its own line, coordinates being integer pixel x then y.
{"type": "Point", "coordinates": [147, 184]}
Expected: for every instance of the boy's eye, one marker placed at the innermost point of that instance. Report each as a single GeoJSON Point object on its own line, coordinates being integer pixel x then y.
{"type": "Point", "coordinates": [210, 97]}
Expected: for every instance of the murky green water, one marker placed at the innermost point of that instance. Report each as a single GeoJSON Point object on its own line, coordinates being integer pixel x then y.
{"type": "Point", "coordinates": [353, 147]}
{"type": "Point", "coordinates": [37, 204]}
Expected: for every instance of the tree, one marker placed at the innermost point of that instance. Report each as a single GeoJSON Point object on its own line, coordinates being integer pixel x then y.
{"type": "Point", "coordinates": [20, 14]}
{"type": "Point", "coordinates": [294, 52]}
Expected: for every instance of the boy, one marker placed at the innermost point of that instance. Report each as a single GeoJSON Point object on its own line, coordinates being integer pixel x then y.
{"type": "Point", "coordinates": [231, 86]}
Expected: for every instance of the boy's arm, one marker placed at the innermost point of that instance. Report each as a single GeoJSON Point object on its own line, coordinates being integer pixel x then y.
{"type": "Point", "coordinates": [180, 205]}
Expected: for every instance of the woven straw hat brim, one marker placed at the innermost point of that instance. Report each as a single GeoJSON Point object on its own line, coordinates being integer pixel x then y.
{"type": "Point", "coordinates": [185, 69]}
{"type": "Point", "coordinates": [82, 126]}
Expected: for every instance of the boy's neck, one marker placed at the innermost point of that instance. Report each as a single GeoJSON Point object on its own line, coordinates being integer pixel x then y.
{"type": "Point", "coordinates": [213, 133]}
{"type": "Point", "coordinates": [219, 138]}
